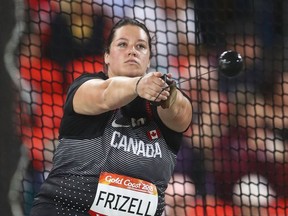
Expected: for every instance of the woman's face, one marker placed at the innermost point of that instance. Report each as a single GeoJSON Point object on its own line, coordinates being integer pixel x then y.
{"type": "Point", "coordinates": [129, 52]}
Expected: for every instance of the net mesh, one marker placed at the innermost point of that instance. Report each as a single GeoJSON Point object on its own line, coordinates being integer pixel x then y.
{"type": "Point", "coordinates": [233, 160]}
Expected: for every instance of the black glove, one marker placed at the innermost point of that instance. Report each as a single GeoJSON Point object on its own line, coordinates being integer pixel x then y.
{"type": "Point", "coordinates": [173, 93]}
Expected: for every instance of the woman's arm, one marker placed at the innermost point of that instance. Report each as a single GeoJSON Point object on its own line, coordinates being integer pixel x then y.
{"type": "Point", "coordinates": [178, 116]}
{"type": "Point", "coordinates": [97, 96]}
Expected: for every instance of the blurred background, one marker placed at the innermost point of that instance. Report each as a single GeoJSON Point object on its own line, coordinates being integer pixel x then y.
{"type": "Point", "coordinates": [234, 158]}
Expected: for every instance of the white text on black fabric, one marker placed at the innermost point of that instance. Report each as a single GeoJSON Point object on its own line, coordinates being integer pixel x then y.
{"type": "Point", "coordinates": [137, 147]}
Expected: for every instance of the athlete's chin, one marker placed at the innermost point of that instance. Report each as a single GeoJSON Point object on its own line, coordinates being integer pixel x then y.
{"type": "Point", "coordinates": [134, 72]}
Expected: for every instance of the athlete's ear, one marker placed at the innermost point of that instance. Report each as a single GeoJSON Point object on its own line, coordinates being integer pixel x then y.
{"type": "Point", "coordinates": [106, 58]}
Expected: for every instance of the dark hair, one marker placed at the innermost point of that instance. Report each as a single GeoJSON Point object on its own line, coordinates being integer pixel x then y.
{"type": "Point", "coordinates": [124, 22]}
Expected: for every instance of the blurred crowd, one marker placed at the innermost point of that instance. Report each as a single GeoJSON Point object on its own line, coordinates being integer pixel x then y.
{"type": "Point", "coordinates": [233, 160]}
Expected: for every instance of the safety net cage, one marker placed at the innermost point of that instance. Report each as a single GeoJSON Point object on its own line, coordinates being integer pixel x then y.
{"type": "Point", "coordinates": [228, 56]}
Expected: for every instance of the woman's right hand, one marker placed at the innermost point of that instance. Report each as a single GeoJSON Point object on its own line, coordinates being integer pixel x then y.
{"type": "Point", "coordinates": [152, 87]}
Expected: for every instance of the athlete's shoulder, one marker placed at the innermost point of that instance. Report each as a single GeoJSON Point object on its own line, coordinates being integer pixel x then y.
{"type": "Point", "coordinates": [99, 75]}
{"type": "Point", "coordinates": [85, 77]}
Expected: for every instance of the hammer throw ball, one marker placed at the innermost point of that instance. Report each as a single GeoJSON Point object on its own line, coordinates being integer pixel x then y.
{"type": "Point", "coordinates": [230, 63]}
